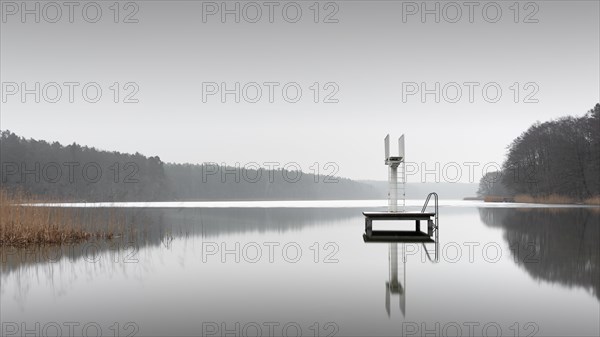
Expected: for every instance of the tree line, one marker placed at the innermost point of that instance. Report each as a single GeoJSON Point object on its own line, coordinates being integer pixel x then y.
{"type": "Point", "coordinates": [557, 157]}
{"type": "Point", "coordinates": [81, 173]}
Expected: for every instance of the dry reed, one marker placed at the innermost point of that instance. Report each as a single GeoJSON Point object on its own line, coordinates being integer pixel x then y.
{"type": "Point", "coordinates": [593, 201]}
{"type": "Point", "coordinates": [22, 225]}
{"type": "Point", "coordinates": [497, 198]}
{"type": "Point", "coordinates": [545, 199]}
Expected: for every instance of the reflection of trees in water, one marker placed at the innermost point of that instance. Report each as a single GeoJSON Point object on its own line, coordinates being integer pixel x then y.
{"type": "Point", "coordinates": [558, 245]}
{"type": "Point", "coordinates": [157, 227]}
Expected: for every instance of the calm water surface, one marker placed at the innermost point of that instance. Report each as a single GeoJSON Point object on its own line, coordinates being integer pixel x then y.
{"type": "Point", "coordinates": [274, 270]}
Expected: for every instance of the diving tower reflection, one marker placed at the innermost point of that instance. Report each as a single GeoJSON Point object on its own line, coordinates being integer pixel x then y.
{"type": "Point", "coordinates": [395, 286]}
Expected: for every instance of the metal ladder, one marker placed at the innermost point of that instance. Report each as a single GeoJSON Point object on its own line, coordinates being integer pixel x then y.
{"type": "Point", "coordinates": [433, 226]}
{"type": "Point", "coordinates": [400, 187]}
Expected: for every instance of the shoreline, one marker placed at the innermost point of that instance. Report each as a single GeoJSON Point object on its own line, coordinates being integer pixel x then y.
{"type": "Point", "coordinates": [552, 199]}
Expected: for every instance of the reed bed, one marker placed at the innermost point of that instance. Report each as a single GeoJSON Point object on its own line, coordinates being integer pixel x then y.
{"type": "Point", "coordinates": [593, 201]}
{"type": "Point", "coordinates": [497, 198]}
{"type": "Point", "coordinates": [545, 199]}
{"type": "Point", "coordinates": [554, 199]}
{"type": "Point", "coordinates": [23, 226]}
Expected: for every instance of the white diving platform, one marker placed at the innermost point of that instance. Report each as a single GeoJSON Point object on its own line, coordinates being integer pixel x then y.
{"type": "Point", "coordinates": [396, 170]}
{"type": "Point", "coordinates": [415, 235]}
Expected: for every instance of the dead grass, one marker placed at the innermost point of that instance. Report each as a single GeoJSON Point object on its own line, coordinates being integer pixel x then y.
{"type": "Point", "coordinates": [593, 201]}
{"type": "Point", "coordinates": [23, 226]}
{"type": "Point", "coordinates": [548, 199]}
{"type": "Point", "coordinates": [497, 198]}
{"type": "Point", "coordinates": [554, 199]}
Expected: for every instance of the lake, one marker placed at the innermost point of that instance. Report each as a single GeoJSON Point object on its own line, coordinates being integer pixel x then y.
{"type": "Point", "coordinates": [302, 268]}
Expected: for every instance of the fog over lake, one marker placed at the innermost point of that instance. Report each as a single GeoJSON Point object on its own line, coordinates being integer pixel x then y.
{"type": "Point", "coordinates": [299, 168]}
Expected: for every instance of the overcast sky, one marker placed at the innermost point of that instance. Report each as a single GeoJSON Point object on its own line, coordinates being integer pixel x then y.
{"type": "Point", "coordinates": [365, 60]}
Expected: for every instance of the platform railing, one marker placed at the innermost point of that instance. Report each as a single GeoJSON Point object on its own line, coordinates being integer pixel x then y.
{"type": "Point", "coordinates": [435, 195]}
{"type": "Point", "coordinates": [435, 225]}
